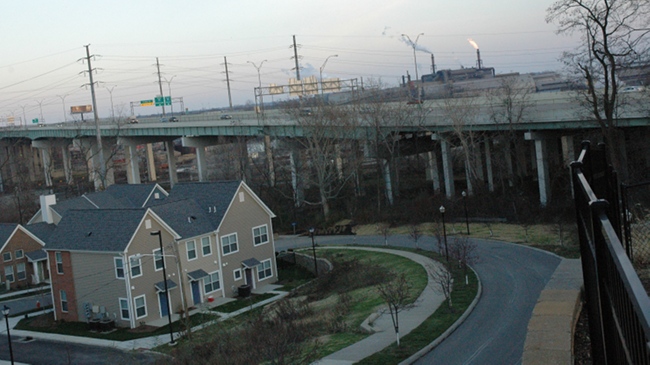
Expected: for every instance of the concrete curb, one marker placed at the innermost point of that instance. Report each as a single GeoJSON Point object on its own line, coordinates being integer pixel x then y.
{"type": "Point", "coordinates": [425, 350]}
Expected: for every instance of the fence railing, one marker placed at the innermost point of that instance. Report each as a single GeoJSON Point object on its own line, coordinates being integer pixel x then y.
{"type": "Point", "coordinates": [617, 304]}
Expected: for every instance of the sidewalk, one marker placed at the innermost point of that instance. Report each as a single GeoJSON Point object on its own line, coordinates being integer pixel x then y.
{"type": "Point", "coordinates": [384, 335]}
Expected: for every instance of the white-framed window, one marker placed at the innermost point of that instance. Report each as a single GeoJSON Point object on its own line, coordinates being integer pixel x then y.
{"type": "Point", "coordinates": [264, 270]}
{"type": "Point", "coordinates": [211, 282]}
{"type": "Point", "coordinates": [191, 250]}
{"type": "Point", "coordinates": [236, 274]}
{"type": "Point", "coordinates": [58, 257]}
{"type": "Point", "coordinates": [9, 273]}
{"type": "Point", "coordinates": [136, 266]}
{"type": "Point", "coordinates": [260, 235]}
{"type": "Point", "coordinates": [119, 267]}
{"type": "Point", "coordinates": [140, 306]}
{"type": "Point", "coordinates": [64, 300]}
{"type": "Point", "coordinates": [19, 254]}
{"type": "Point", "coordinates": [229, 244]}
{"type": "Point", "coordinates": [124, 309]}
{"type": "Point", "coordinates": [158, 258]}
{"type": "Point", "coordinates": [6, 256]}
{"type": "Point", "coordinates": [20, 271]}
{"type": "Point", "coordinates": [206, 247]}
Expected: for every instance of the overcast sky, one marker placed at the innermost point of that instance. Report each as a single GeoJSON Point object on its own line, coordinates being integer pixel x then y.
{"type": "Point", "coordinates": [43, 40]}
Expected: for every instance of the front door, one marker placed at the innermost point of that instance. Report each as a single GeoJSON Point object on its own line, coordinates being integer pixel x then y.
{"type": "Point", "coordinates": [248, 272]}
{"type": "Point", "coordinates": [196, 292]}
{"type": "Point", "coordinates": [162, 299]}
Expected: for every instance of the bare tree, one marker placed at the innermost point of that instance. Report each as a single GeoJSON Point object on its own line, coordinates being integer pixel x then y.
{"type": "Point", "coordinates": [464, 251]}
{"type": "Point", "coordinates": [415, 233]}
{"type": "Point", "coordinates": [614, 36]}
{"type": "Point", "coordinates": [442, 280]}
{"type": "Point", "coordinates": [384, 230]}
{"type": "Point", "coordinates": [396, 294]}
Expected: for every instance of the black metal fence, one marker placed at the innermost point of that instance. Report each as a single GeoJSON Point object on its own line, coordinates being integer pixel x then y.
{"type": "Point", "coordinates": [636, 223]}
{"type": "Point", "coordinates": [617, 304]}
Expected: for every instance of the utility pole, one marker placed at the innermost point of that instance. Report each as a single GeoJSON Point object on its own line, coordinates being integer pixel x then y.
{"type": "Point", "coordinates": [160, 86]}
{"type": "Point", "coordinates": [225, 62]}
{"type": "Point", "coordinates": [295, 57]}
{"type": "Point", "coordinates": [102, 164]}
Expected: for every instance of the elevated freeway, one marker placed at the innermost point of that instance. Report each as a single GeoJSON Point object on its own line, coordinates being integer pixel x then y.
{"type": "Point", "coordinates": [546, 119]}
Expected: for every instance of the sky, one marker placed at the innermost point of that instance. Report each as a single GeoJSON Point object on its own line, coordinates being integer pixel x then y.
{"type": "Point", "coordinates": [43, 74]}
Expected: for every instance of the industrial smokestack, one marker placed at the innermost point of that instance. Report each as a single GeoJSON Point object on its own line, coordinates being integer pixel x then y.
{"type": "Point", "coordinates": [479, 64]}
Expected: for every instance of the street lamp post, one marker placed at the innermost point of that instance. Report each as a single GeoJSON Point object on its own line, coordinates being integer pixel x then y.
{"type": "Point", "coordinates": [5, 311]}
{"type": "Point", "coordinates": [415, 60]}
{"type": "Point", "coordinates": [313, 248]}
{"type": "Point", "coordinates": [444, 231]}
{"type": "Point", "coordinates": [65, 119]}
{"type": "Point", "coordinates": [169, 88]}
{"type": "Point", "coordinates": [169, 312]}
{"type": "Point", "coordinates": [321, 72]}
{"type": "Point", "coordinates": [464, 194]}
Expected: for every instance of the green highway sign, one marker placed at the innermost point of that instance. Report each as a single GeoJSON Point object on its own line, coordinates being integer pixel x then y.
{"type": "Point", "coordinates": [35, 120]}
{"type": "Point", "coordinates": [168, 100]}
{"type": "Point", "coordinates": [163, 100]}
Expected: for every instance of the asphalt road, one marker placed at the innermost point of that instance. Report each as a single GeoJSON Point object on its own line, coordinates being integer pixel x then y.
{"type": "Point", "coordinates": [512, 277]}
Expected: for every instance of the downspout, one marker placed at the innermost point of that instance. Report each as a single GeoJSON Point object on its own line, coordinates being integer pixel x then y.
{"type": "Point", "coordinates": [223, 277]}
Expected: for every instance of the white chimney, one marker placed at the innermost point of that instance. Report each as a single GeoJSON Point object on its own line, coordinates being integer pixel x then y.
{"type": "Point", "coordinates": [46, 202]}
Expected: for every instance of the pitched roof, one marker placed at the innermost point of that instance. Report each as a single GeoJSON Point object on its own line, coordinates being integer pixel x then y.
{"type": "Point", "coordinates": [42, 230]}
{"type": "Point", "coordinates": [108, 230]}
{"type": "Point", "coordinates": [6, 229]}
{"type": "Point", "coordinates": [135, 194]}
{"type": "Point", "coordinates": [208, 195]}
{"type": "Point", "coordinates": [185, 217]}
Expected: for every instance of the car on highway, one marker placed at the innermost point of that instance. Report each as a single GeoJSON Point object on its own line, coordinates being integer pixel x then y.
{"type": "Point", "coordinates": [133, 119]}
{"type": "Point", "coordinates": [173, 119]}
{"type": "Point", "coordinates": [226, 116]}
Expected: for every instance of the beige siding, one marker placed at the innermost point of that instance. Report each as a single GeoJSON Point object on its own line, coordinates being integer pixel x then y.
{"type": "Point", "coordinates": [240, 219]}
{"type": "Point", "coordinates": [208, 263]}
{"type": "Point", "coordinates": [144, 243]}
{"type": "Point", "coordinates": [97, 284]}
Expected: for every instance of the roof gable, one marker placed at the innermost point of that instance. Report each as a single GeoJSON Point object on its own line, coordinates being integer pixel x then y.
{"type": "Point", "coordinates": [6, 231]}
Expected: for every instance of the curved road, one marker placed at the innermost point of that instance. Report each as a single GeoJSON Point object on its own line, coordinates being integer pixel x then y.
{"type": "Point", "coordinates": [512, 277]}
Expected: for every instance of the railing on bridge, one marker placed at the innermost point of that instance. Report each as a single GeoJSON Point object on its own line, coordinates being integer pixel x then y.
{"type": "Point", "coordinates": [617, 304]}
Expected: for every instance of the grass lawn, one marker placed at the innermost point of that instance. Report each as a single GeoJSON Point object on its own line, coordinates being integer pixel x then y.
{"type": "Point", "coordinates": [240, 303]}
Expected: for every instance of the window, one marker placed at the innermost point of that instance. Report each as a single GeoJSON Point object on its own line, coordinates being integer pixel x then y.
{"type": "Point", "coordinates": [136, 266]}
{"type": "Point", "coordinates": [264, 270]}
{"type": "Point", "coordinates": [237, 274]}
{"type": "Point", "coordinates": [260, 235]}
{"type": "Point", "coordinates": [20, 271]}
{"type": "Point", "coordinates": [64, 300]}
{"type": "Point", "coordinates": [59, 262]}
{"type": "Point", "coordinates": [6, 256]}
{"type": "Point", "coordinates": [211, 282]}
{"type": "Point", "coordinates": [229, 243]}
{"type": "Point", "coordinates": [191, 250]}
{"type": "Point", "coordinates": [206, 248]}
{"type": "Point", "coordinates": [140, 306]}
{"type": "Point", "coordinates": [119, 268]}
{"type": "Point", "coordinates": [124, 308]}
{"type": "Point", "coordinates": [158, 258]}
{"type": "Point", "coordinates": [19, 254]}
{"type": "Point", "coordinates": [9, 273]}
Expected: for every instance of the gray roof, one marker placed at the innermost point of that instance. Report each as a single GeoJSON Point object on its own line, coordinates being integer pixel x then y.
{"type": "Point", "coordinates": [186, 217]}
{"type": "Point", "coordinates": [208, 195]}
{"type": "Point", "coordinates": [135, 195]}
{"type": "Point", "coordinates": [252, 262]}
{"type": "Point", "coordinates": [6, 229]}
{"type": "Point", "coordinates": [38, 255]}
{"type": "Point", "coordinates": [108, 230]}
{"type": "Point", "coordinates": [161, 285]}
{"type": "Point", "coordinates": [42, 230]}
{"type": "Point", "coordinates": [197, 274]}
{"type": "Point", "coordinates": [62, 207]}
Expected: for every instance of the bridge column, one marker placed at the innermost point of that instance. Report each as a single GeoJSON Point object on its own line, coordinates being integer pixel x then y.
{"type": "Point", "coordinates": [568, 150]}
{"type": "Point", "coordinates": [433, 170]}
{"type": "Point", "coordinates": [488, 165]}
{"type": "Point", "coordinates": [132, 164]}
{"type": "Point", "coordinates": [47, 165]}
{"type": "Point", "coordinates": [151, 163]}
{"type": "Point", "coordinates": [541, 158]}
{"type": "Point", "coordinates": [30, 159]}
{"type": "Point", "coordinates": [269, 159]}
{"type": "Point", "coordinates": [385, 166]}
{"type": "Point", "coordinates": [67, 163]}
{"type": "Point", "coordinates": [447, 165]}
{"type": "Point", "coordinates": [468, 177]}
{"type": "Point", "coordinates": [45, 147]}
{"type": "Point", "coordinates": [200, 143]}
{"type": "Point", "coordinates": [89, 147]}
{"type": "Point", "coordinates": [171, 163]}
{"type": "Point", "coordinates": [296, 182]}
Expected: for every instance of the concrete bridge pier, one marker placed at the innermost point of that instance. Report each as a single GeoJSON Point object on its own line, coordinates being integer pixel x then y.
{"type": "Point", "coordinates": [89, 148]}
{"type": "Point", "coordinates": [133, 165]}
{"type": "Point", "coordinates": [46, 146]}
{"type": "Point", "coordinates": [433, 170]}
{"type": "Point", "coordinates": [541, 158]}
{"type": "Point", "coordinates": [268, 151]}
{"type": "Point", "coordinates": [200, 143]}
{"type": "Point", "coordinates": [447, 165]}
{"type": "Point", "coordinates": [488, 164]}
